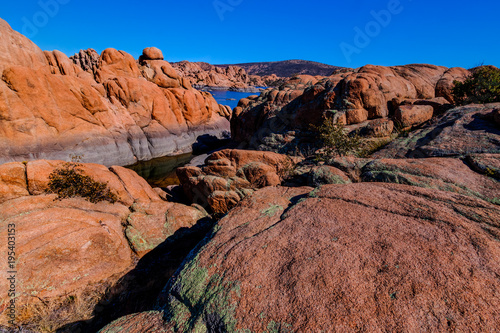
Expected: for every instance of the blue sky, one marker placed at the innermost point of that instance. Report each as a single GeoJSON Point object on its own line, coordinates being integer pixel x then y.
{"type": "Point", "coordinates": [348, 33]}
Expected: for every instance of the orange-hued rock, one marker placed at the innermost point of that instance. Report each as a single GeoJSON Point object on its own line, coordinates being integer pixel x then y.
{"type": "Point", "coordinates": [367, 93]}
{"type": "Point", "coordinates": [152, 224]}
{"type": "Point", "coordinates": [61, 64]}
{"type": "Point", "coordinates": [63, 247]}
{"type": "Point", "coordinates": [72, 246]}
{"type": "Point", "coordinates": [439, 104]}
{"type": "Point", "coordinates": [38, 173]}
{"type": "Point", "coordinates": [356, 257]}
{"type": "Point", "coordinates": [231, 174]}
{"type": "Point", "coordinates": [109, 109]}
{"type": "Point", "coordinates": [135, 185]}
{"type": "Point", "coordinates": [17, 50]}
{"type": "Point", "coordinates": [202, 74]}
{"type": "Point", "coordinates": [444, 87]}
{"type": "Point", "coordinates": [88, 60]}
{"type": "Point", "coordinates": [356, 116]}
{"type": "Point", "coordinates": [13, 181]}
{"type": "Point", "coordinates": [411, 115]}
{"type": "Point", "coordinates": [152, 53]}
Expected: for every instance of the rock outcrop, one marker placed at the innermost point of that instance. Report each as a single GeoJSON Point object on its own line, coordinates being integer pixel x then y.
{"type": "Point", "coordinates": [356, 97]}
{"type": "Point", "coordinates": [444, 174]}
{"type": "Point", "coordinates": [204, 75]}
{"type": "Point", "coordinates": [17, 50]}
{"type": "Point", "coordinates": [355, 257]}
{"type": "Point", "coordinates": [469, 129]}
{"type": "Point", "coordinates": [487, 164]}
{"type": "Point", "coordinates": [230, 175]}
{"type": "Point", "coordinates": [109, 109]}
{"type": "Point", "coordinates": [74, 247]}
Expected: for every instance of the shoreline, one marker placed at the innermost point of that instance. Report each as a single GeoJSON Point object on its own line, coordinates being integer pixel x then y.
{"type": "Point", "coordinates": [252, 89]}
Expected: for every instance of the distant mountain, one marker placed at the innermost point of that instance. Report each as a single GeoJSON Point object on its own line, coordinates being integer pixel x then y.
{"type": "Point", "coordinates": [287, 68]}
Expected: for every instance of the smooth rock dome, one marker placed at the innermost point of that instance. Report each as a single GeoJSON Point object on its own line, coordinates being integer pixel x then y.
{"type": "Point", "coordinates": [152, 53]}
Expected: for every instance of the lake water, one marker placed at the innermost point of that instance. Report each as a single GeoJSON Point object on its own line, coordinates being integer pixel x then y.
{"type": "Point", "coordinates": [160, 172]}
{"type": "Point", "coordinates": [230, 98]}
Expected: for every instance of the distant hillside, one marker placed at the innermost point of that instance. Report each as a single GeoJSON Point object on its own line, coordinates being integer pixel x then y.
{"type": "Point", "coordinates": [287, 68]}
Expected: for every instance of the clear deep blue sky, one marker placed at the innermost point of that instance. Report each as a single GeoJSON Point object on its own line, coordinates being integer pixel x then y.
{"type": "Point", "coordinates": [448, 33]}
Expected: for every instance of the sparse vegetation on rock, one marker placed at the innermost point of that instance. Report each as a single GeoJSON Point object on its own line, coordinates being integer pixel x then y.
{"type": "Point", "coordinates": [336, 141]}
{"type": "Point", "coordinates": [68, 181]}
{"type": "Point", "coordinates": [482, 86]}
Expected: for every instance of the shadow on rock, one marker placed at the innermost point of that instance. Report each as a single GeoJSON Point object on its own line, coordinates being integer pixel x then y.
{"type": "Point", "coordinates": [484, 123]}
{"type": "Point", "coordinates": [138, 290]}
{"type": "Point", "coordinates": [206, 143]}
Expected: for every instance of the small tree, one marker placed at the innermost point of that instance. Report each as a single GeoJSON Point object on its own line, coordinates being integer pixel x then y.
{"type": "Point", "coordinates": [68, 181]}
{"type": "Point", "coordinates": [482, 86]}
{"type": "Point", "coordinates": [336, 141]}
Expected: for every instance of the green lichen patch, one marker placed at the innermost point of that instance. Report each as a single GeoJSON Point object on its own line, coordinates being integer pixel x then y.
{"type": "Point", "coordinates": [138, 242]}
{"type": "Point", "coordinates": [314, 193]}
{"type": "Point", "coordinates": [274, 327]}
{"type": "Point", "coordinates": [323, 175]}
{"type": "Point", "coordinates": [201, 295]}
{"type": "Point", "coordinates": [272, 210]}
{"type": "Point", "coordinates": [197, 294]}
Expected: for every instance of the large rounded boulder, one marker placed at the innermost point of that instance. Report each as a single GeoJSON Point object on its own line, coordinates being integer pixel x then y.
{"type": "Point", "coordinates": [357, 257]}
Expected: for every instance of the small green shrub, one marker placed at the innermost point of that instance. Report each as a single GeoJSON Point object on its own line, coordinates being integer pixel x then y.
{"type": "Point", "coordinates": [335, 141]}
{"type": "Point", "coordinates": [68, 182]}
{"type": "Point", "coordinates": [482, 86]}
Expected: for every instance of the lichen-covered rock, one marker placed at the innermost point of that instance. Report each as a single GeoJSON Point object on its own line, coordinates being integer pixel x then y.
{"type": "Point", "coordinates": [138, 322]}
{"type": "Point", "coordinates": [150, 225]}
{"type": "Point", "coordinates": [356, 257]}
{"type": "Point", "coordinates": [316, 175]}
{"type": "Point", "coordinates": [445, 174]}
{"type": "Point", "coordinates": [460, 131]}
{"type": "Point", "coordinates": [487, 164]}
{"type": "Point", "coordinates": [378, 128]}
